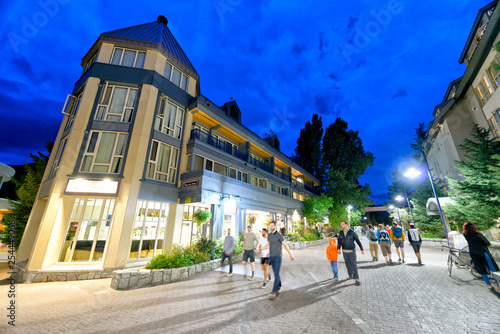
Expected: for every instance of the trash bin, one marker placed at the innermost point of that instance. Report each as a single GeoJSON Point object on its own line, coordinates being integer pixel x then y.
{"type": "Point", "coordinates": [456, 240]}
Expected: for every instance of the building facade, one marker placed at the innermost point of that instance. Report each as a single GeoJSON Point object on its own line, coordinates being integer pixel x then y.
{"type": "Point", "coordinates": [138, 152]}
{"type": "Point", "coordinates": [472, 98]}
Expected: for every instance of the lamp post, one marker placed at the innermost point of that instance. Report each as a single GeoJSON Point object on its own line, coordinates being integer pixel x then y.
{"type": "Point", "coordinates": [349, 208]}
{"type": "Point", "coordinates": [412, 173]}
{"type": "Point", "coordinates": [409, 206]}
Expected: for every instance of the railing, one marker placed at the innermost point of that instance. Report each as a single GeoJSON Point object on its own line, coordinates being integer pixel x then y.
{"type": "Point", "coordinates": [228, 148]}
{"type": "Point", "coordinates": [298, 184]}
{"type": "Point", "coordinates": [260, 164]}
{"type": "Point", "coordinates": [282, 176]}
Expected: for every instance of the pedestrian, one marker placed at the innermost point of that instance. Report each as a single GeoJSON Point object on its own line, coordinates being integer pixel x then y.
{"type": "Point", "coordinates": [264, 256]}
{"type": "Point", "coordinates": [415, 240]}
{"type": "Point", "coordinates": [275, 242]}
{"type": "Point", "coordinates": [479, 253]}
{"type": "Point", "coordinates": [250, 243]}
{"type": "Point", "coordinates": [371, 235]}
{"type": "Point", "coordinates": [332, 256]}
{"type": "Point", "coordinates": [398, 238]}
{"type": "Point", "coordinates": [227, 252]}
{"type": "Point", "coordinates": [345, 241]}
{"type": "Point", "coordinates": [384, 241]}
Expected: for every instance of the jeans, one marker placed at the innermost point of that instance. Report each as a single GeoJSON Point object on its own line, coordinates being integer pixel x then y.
{"type": "Point", "coordinates": [350, 263]}
{"type": "Point", "coordinates": [335, 269]}
{"type": "Point", "coordinates": [229, 259]}
{"type": "Point", "coordinates": [275, 261]}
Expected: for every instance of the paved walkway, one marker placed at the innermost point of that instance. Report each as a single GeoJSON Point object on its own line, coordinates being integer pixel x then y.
{"type": "Point", "coordinates": [402, 298]}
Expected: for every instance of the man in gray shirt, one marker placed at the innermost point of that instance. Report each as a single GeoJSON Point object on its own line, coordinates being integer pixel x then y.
{"type": "Point", "coordinates": [250, 243]}
{"type": "Point", "coordinates": [275, 242]}
{"type": "Point", "coordinates": [227, 252]}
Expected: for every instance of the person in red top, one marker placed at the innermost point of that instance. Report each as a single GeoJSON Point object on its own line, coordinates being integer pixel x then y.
{"type": "Point", "coordinates": [332, 256]}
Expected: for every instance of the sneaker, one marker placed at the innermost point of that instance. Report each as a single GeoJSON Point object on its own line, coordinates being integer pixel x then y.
{"type": "Point", "coordinates": [279, 289]}
{"type": "Point", "coordinates": [336, 279]}
{"type": "Point", "coordinates": [252, 278]}
{"type": "Point", "coordinates": [390, 261]}
{"type": "Point", "coordinates": [403, 261]}
{"type": "Point", "coordinates": [386, 262]}
{"type": "Point", "coordinates": [374, 259]}
{"type": "Point", "coordinates": [264, 285]}
{"type": "Point", "coordinates": [399, 260]}
{"type": "Point", "coordinates": [229, 274]}
{"type": "Point", "coordinates": [357, 282]}
{"type": "Point", "coordinates": [419, 261]}
{"type": "Point", "coordinates": [273, 296]}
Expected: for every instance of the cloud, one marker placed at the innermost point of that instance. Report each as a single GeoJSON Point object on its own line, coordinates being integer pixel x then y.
{"type": "Point", "coordinates": [399, 93]}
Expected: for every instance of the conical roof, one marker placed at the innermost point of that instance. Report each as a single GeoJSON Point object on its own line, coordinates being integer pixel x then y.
{"type": "Point", "coordinates": [156, 33]}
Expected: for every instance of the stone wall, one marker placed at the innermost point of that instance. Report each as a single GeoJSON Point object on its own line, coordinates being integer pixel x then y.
{"type": "Point", "coordinates": [37, 276]}
{"type": "Point", "coordinates": [134, 278]}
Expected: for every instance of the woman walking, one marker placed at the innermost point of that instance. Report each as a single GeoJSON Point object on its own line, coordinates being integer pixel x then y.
{"type": "Point", "coordinates": [479, 252]}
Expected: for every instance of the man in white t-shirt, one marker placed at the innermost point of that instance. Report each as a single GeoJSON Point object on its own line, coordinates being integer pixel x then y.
{"type": "Point", "coordinates": [264, 256]}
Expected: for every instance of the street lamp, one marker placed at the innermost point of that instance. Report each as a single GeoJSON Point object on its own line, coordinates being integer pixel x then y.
{"type": "Point", "coordinates": [412, 173]}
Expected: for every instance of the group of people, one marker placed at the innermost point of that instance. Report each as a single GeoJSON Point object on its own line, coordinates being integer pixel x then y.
{"type": "Point", "coordinates": [270, 246]}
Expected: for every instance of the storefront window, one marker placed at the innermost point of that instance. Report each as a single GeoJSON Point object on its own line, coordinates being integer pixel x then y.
{"type": "Point", "coordinates": [148, 234]}
{"type": "Point", "coordinates": [88, 230]}
{"type": "Point", "coordinates": [190, 230]}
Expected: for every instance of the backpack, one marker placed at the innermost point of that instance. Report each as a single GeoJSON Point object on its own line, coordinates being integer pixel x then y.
{"type": "Point", "coordinates": [397, 232]}
{"type": "Point", "coordinates": [373, 235]}
{"type": "Point", "coordinates": [384, 236]}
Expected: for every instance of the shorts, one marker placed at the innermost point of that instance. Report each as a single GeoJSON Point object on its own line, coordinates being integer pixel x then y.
{"type": "Point", "coordinates": [416, 247]}
{"type": "Point", "coordinates": [248, 254]}
{"type": "Point", "coordinates": [399, 243]}
{"type": "Point", "coordinates": [264, 260]}
{"type": "Point", "coordinates": [385, 246]}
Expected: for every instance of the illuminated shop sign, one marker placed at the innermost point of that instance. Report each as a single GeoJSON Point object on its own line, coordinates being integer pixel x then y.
{"type": "Point", "coordinates": [190, 184]}
{"type": "Point", "coordinates": [92, 186]}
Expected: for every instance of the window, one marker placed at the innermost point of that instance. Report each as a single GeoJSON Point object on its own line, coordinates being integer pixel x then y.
{"type": "Point", "coordinates": [127, 57]}
{"type": "Point", "coordinates": [278, 189]}
{"type": "Point", "coordinates": [162, 163]}
{"type": "Point", "coordinates": [298, 196]}
{"type": "Point", "coordinates": [87, 230]}
{"type": "Point", "coordinates": [484, 90]}
{"type": "Point", "coordinates": [169, 118]}
{"type": "Point", "coordinates": [104, 152]}
{"type": "Point", "coordinates": [149, 229]}
{"type": "Point", "coordinates": [493, 73]}
{"type": "Point", "coordinates": [89, 63]}
{"type": "Point", "coordinates": [495, 123]}
{"type": "Point", "coordinates": [117, 104]}
{"type": "Point", "coordinates": [238, 175]}
{"type": "Point", "coordinates": [213, 166]}
{"type": "Point", "coordinates": [173, 74]}
{"type": "Point", "coordinates": [57, 159]}
{"type": "Point", "coordinates": [271, 187]}
{"type": "Point", "coordinates": [263, 183]}
{"type": "Point", "coordinates": [70, 108]}
{"type": "Point", "coordinates": [253, 180]}
{"type": "Point", "coordinates": [284, 191]}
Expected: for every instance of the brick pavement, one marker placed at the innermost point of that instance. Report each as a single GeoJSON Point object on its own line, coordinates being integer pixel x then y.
{"type": "Point", "coordinates": [402, 298]}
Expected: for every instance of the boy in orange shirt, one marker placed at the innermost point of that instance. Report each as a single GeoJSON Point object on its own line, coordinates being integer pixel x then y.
{"type": "Point", "coordinates": [332, 256]}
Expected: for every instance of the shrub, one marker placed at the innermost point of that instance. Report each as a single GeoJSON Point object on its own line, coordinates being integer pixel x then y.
{"type": "Point", "coordinates": [206, 245]}
{"type": "Point", "coordinates": [177, 257]}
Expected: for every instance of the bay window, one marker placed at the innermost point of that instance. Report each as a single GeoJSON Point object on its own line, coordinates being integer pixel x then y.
{"type": "Point", "coordinates": [162, 164]}
{"type": "Point", "coordinates": [128, 57]}
{"type": "Point", "coordinates": [169, 118]}
{"type": "Point", "coordinates": [117, 104]}
{"type": "Point", "coordinates": [104, 152]}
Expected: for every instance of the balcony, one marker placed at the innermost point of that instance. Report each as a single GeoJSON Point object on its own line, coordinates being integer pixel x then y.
{"type": "Point", "coordinates": [282, 176]}
{"type": "Point", "coordinates": [260, 164]}
{"type": "Point", "coordinates": [208, 139]}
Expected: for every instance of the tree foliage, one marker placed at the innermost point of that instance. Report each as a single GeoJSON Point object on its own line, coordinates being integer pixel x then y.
{"type": "Point", "coordinates": [309, 146]}
{"type": "Point", "coordinates": [315, 208]}
{"type": "Point", "coordinates": [27, 189]}
{"type": "Point", "coordinates": [476, 196]}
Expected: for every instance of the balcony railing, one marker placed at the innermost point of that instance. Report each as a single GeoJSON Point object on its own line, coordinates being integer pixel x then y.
{"type": "Point", "coordinates": [282, 176]}
{"type": "Point", "coordinates": [298, 184]}
{"type": "Point", "coordinates": [228, 148]}
{"type": "Point", "coordinates": [260, 164]}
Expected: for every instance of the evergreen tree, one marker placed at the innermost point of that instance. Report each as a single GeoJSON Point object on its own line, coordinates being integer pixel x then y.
{"type": "Point", "coordinates": [477, 195]}
{"type": "Point", "coordinates": [309, 146]}
{"type": "Point", "coordinates": [27, 189]}
{"type": "Point", "coordinates": [345, 160]}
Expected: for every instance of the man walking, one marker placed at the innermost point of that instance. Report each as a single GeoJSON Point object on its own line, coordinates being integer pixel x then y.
{"type": "Point", "coordinates": [227, 252]}
{"type": "Point", "coordinates": [250, 242]}
{"type": "Point", "coordinates": [345, 241]}
{"type": "Point", "coordinates": [276, 241]}
{"type": "Point", "coordinates": [264, 256]}
{"type": "Point", "coordinates": [371, 234]}
{"type": "Point", "coordinates": [398, 238]}
{"type": "Point", "coordinates": [415, 240]}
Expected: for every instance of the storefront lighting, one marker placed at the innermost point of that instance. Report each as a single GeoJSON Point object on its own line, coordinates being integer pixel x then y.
{"type": "Point", "coordinates": [82, 186]}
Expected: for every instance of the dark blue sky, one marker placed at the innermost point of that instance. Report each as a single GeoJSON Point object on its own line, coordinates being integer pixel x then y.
{"type": "Point", "coordinates": [380, 65]}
